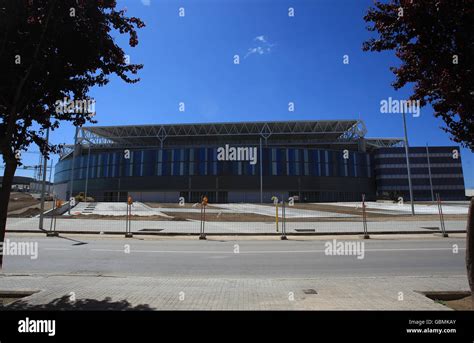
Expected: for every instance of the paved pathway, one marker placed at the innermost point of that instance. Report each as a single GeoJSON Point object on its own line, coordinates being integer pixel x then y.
{"type": "Point", "coordinates": [95, 292]}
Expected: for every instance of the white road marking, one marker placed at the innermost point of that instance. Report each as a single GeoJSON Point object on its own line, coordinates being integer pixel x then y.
{"type": "Point", "coordinates": [266, 251]}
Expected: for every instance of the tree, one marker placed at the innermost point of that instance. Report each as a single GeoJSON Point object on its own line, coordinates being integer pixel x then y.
{"type": "Point", "coordinates": [51, 50]}
{"type": "Point", "coordinates": [434, 41]}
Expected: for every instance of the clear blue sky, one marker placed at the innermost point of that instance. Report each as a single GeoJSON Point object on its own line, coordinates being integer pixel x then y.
{"type": "Point", "coordinates": [300, 59]}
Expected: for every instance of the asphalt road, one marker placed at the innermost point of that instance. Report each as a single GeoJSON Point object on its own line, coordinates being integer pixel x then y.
{"type": "Point", "coordinates": [236, 259]}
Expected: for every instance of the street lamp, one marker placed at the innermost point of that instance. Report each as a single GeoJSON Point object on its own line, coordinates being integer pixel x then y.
{"type": "Point", "coordinates": [408, 163]}
{"type": "Point", "coordinates": [429, 172]}
{"type": "Point", "coordinates": [72, 169]}
{"type": "Point", "coordinates": [43, 182]}
{"type": "Point", "coordinates": [87, 170]}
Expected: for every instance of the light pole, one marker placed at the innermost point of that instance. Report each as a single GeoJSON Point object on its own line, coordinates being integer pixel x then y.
{"type": "Point", "coordinates": [43, 182]}
{"type": "Point", "coordinates": [408, 163]}
{"type": "Point", "coordinates": [261, 172]}
{"type": "Point", "coordinates": [72, 169]}
{"type": "Point", "coordinates": [429, 172]}
{"type": "Point", "coordinates": [50, 174]}
{"type": "Point", "coordinates": [87, 171]}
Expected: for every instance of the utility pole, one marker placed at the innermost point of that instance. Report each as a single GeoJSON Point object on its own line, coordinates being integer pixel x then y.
{"type": "Point", "coordinates": [408, 163]}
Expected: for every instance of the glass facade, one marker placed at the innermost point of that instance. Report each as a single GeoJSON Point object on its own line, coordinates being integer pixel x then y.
{"type": "Point", "coordinates": [202, 161]}
{"type": "Point", "coordinates": [438, 169]}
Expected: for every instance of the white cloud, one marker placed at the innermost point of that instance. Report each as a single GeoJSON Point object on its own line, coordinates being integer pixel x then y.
{"type": "Point", "coordinates": [146, 2]}
{"type": "Point", "coordinates": [262, 47]}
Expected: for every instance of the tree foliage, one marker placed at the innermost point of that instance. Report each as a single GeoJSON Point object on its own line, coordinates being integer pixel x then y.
{"type": "Point", "coordinates": [435, 42]}
{"type": "Point", "coordinates": [51, 50]}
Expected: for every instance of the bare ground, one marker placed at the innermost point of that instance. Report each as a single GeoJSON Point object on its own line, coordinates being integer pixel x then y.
{"type": "Point", "coordinates": [464, 304]}
{"type": "Point", "coordinates": [19, 201]}
{"type": "Point", "coordinates": [23, 205]}
{"type": "Point", "coordinates": [459, 301]}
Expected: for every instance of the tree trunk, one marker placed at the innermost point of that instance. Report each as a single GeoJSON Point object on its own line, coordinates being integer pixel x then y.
{"type": "Point", "coordinates": [10, 168]}
{"type": "Point", "coordinates": [470, 249]}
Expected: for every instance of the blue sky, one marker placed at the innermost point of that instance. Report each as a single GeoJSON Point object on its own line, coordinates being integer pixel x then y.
{"type": "Point", "coordinates": [299, 59]}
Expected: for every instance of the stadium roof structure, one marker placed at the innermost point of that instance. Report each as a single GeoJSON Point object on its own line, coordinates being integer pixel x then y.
{"type": "Point", "coordinates": [299, 132]}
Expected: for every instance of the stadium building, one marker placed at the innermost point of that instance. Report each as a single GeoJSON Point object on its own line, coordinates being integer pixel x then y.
{"type": "Point", "coordinates": [316, 161]}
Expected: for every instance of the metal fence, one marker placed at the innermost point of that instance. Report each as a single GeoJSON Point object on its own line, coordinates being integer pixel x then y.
{"type": "Point", "coordinates": [282, 216]}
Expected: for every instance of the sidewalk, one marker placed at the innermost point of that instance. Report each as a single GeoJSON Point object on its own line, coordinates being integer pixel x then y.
{"type": "Point", "coordinates": [151, 293]}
